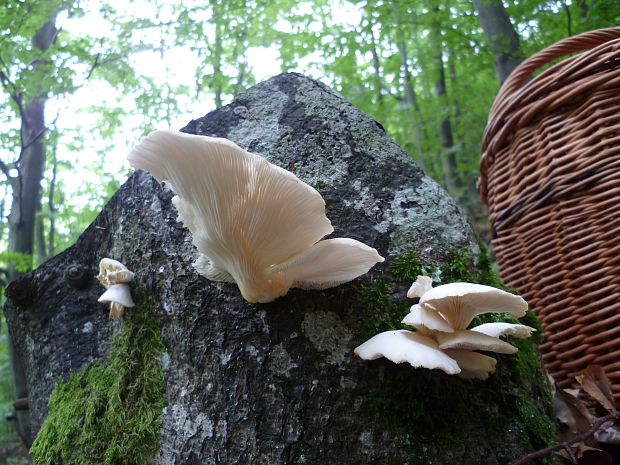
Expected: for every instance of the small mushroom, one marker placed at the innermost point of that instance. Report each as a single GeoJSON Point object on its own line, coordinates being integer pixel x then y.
{"type": "Point", "coordinates": [115, 277]}
{"type": "Point", "coordinates": [401, 346]}
{"type": "Point", "coordinates": [421, 285]}
{"type": "Point", "coordinates": [252, 222]}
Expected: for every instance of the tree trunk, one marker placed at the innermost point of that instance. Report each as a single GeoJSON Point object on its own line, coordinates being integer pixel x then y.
{"type": "Point", "coordinates": [447, 154]}
{"type": "Point", "coordinates": [277, 383]}
{"type": "Point", "coordinates": [501, 35]}
{"type": "Point", "coordinates": [411, 104]}
{"type": "Point", "coordinates": [218, 76]}
{"type": "Point", "coordinates": [40, 239]}
{"type": "Point", "coordinates": [26, 198]}
{"type": "Point", "coordinates": [27, 188]}
{"type": "Point", "coordinates": [51, 205]}
{"type": "Point", "coordinates": [376, 66]}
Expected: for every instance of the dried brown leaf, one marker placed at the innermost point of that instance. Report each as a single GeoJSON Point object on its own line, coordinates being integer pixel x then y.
{"type": "Point", "coordinates": [595, 382]}
{"type": "Point", "coordinates": [592, 455]}
{"type": "Point", "coordinates": [572, 412]}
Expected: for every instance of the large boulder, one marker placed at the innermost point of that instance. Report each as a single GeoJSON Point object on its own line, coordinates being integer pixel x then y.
{"type": "Point", "coordinates": [269, 383]}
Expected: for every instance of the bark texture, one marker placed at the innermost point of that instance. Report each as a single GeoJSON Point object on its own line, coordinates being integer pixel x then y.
{"type": "Point", "coordinates": [502, 37]}
{"type": "Point", "coordinates": [278, 383]}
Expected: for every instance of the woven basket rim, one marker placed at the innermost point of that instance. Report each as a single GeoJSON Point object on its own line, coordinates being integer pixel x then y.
{"type": "Point", "coordinates": [506, 114]}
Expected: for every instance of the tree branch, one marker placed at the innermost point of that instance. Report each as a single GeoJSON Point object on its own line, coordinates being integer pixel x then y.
{"type": "Point", "coordinates": [93, 67]}
{"type": "Point", "coordinates": [18, 25]}
{"type": "Point", "coordinates": [33, 140]}
{"type": "Point", "coordinates": [594, 427]}
{"type": "Point", "coordinates": [10, 87]}
{"type": "Point", "coordinates": [5, 170]}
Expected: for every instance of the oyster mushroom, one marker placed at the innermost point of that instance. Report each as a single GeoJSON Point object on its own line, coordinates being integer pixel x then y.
{"type": "Point", "coordinates": [459, 303]}
{"type": "Point", "coordinates": [252, 222]}
{"type": "Point", "coordinates": [440, 320]}
{"type": "Point", "coordinates": [115, 277]}
{"type": "Point", "coordinates": [401, 346]}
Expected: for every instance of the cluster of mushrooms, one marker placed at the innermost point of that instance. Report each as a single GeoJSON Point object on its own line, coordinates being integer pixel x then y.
{"type": "Point", "coordinates": [115, 277]}
{"type": "Point", "coordinates": [441, 339]}
{"type": "Point", "coordinates": [259, 226]}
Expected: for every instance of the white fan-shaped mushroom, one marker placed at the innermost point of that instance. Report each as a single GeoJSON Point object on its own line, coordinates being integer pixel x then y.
{"type": "Point", "coordinates": [248, 217]}
{"type": "Point", "coordinates": [423, 317]}
{"type": "Point", "coordinates": [328, 263]}
{"type": "Point", "coordinates": [406, 346]}
{"type": "Point", "coordinates": [459, 303]}
{"type": "Point", "coordinates": [504, 329]}
{"type": "Point", "coordinates": [471, 340]}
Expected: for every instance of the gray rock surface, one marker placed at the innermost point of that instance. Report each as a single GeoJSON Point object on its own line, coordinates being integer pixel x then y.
{"type": "Point", "coordinates": [269, 383]}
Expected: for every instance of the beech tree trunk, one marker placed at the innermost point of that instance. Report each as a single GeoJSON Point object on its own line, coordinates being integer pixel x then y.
{"type": "Point", "coordinates": [448, 157]}
{"type": "Point", "coordinates": [501, 35]}
{"type": "Point", "coordinates": [278, 383]}
{"type": "Point", "coordinates": [26, 193]}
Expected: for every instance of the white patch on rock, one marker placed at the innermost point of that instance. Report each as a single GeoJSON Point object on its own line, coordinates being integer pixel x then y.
{"type": "Point", "coordinates": [168, 308]}
{"type": "Point", "coordinates": [88, 327]}
{"type": "Point", "coordinates": [328, 334]}
{"type": "Point", "coordinates": [186, 425]}
{"type": "Point", "coordinates": [365, 438]}
{"type": "Point", "coordinates": [226, 357]}
{"type": "Point", "coordinates": [261, 123]}
{"type": "Point", "coordinates": [280, 361]}
{"type": "Point", "coordinates": [164, 360]}
{"type": "Point", "coordinates": [426, 215]}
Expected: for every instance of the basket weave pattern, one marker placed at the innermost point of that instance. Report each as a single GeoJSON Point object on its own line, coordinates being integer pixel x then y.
{"type": "Point", "coordinates": [550, 175]}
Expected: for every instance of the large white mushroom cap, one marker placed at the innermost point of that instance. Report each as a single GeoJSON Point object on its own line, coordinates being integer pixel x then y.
{"type": "Point", "coordinates": [459, 303]}
{"type": "Point", "coordinates": [253, 223]}
{"type": "Point", "coordinates": [401, 346]}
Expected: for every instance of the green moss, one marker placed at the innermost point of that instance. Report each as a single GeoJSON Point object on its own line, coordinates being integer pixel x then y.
{"type": "Point", "coordinates": [434, 406]}
{"type": "Point", "coordinates": [319, 185]}
{"type": "Point", "coordinates": [408, 266]}
{"type": "Point", "coordinates": [384, 311]}
{"type": "Point", "coordinates": [109, 413]}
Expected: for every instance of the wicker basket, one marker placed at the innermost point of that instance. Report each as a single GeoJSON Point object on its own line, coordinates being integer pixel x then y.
{"type": "Point", "coordinates": [550, 175]}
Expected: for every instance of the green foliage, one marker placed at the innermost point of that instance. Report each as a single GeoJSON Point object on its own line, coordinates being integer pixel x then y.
{"type": "Point", "coordinates": [109, 413]}
{"type": "Point", "coordinates": [408, 266]}
{"type": "Point", "coordinates": [21, 262]}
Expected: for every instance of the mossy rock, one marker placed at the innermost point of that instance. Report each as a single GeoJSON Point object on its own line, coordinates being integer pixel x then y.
{"type": "Point", "coordinates": [277, 383]}
{"type": "Point", "coordinates": [109, 412]}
